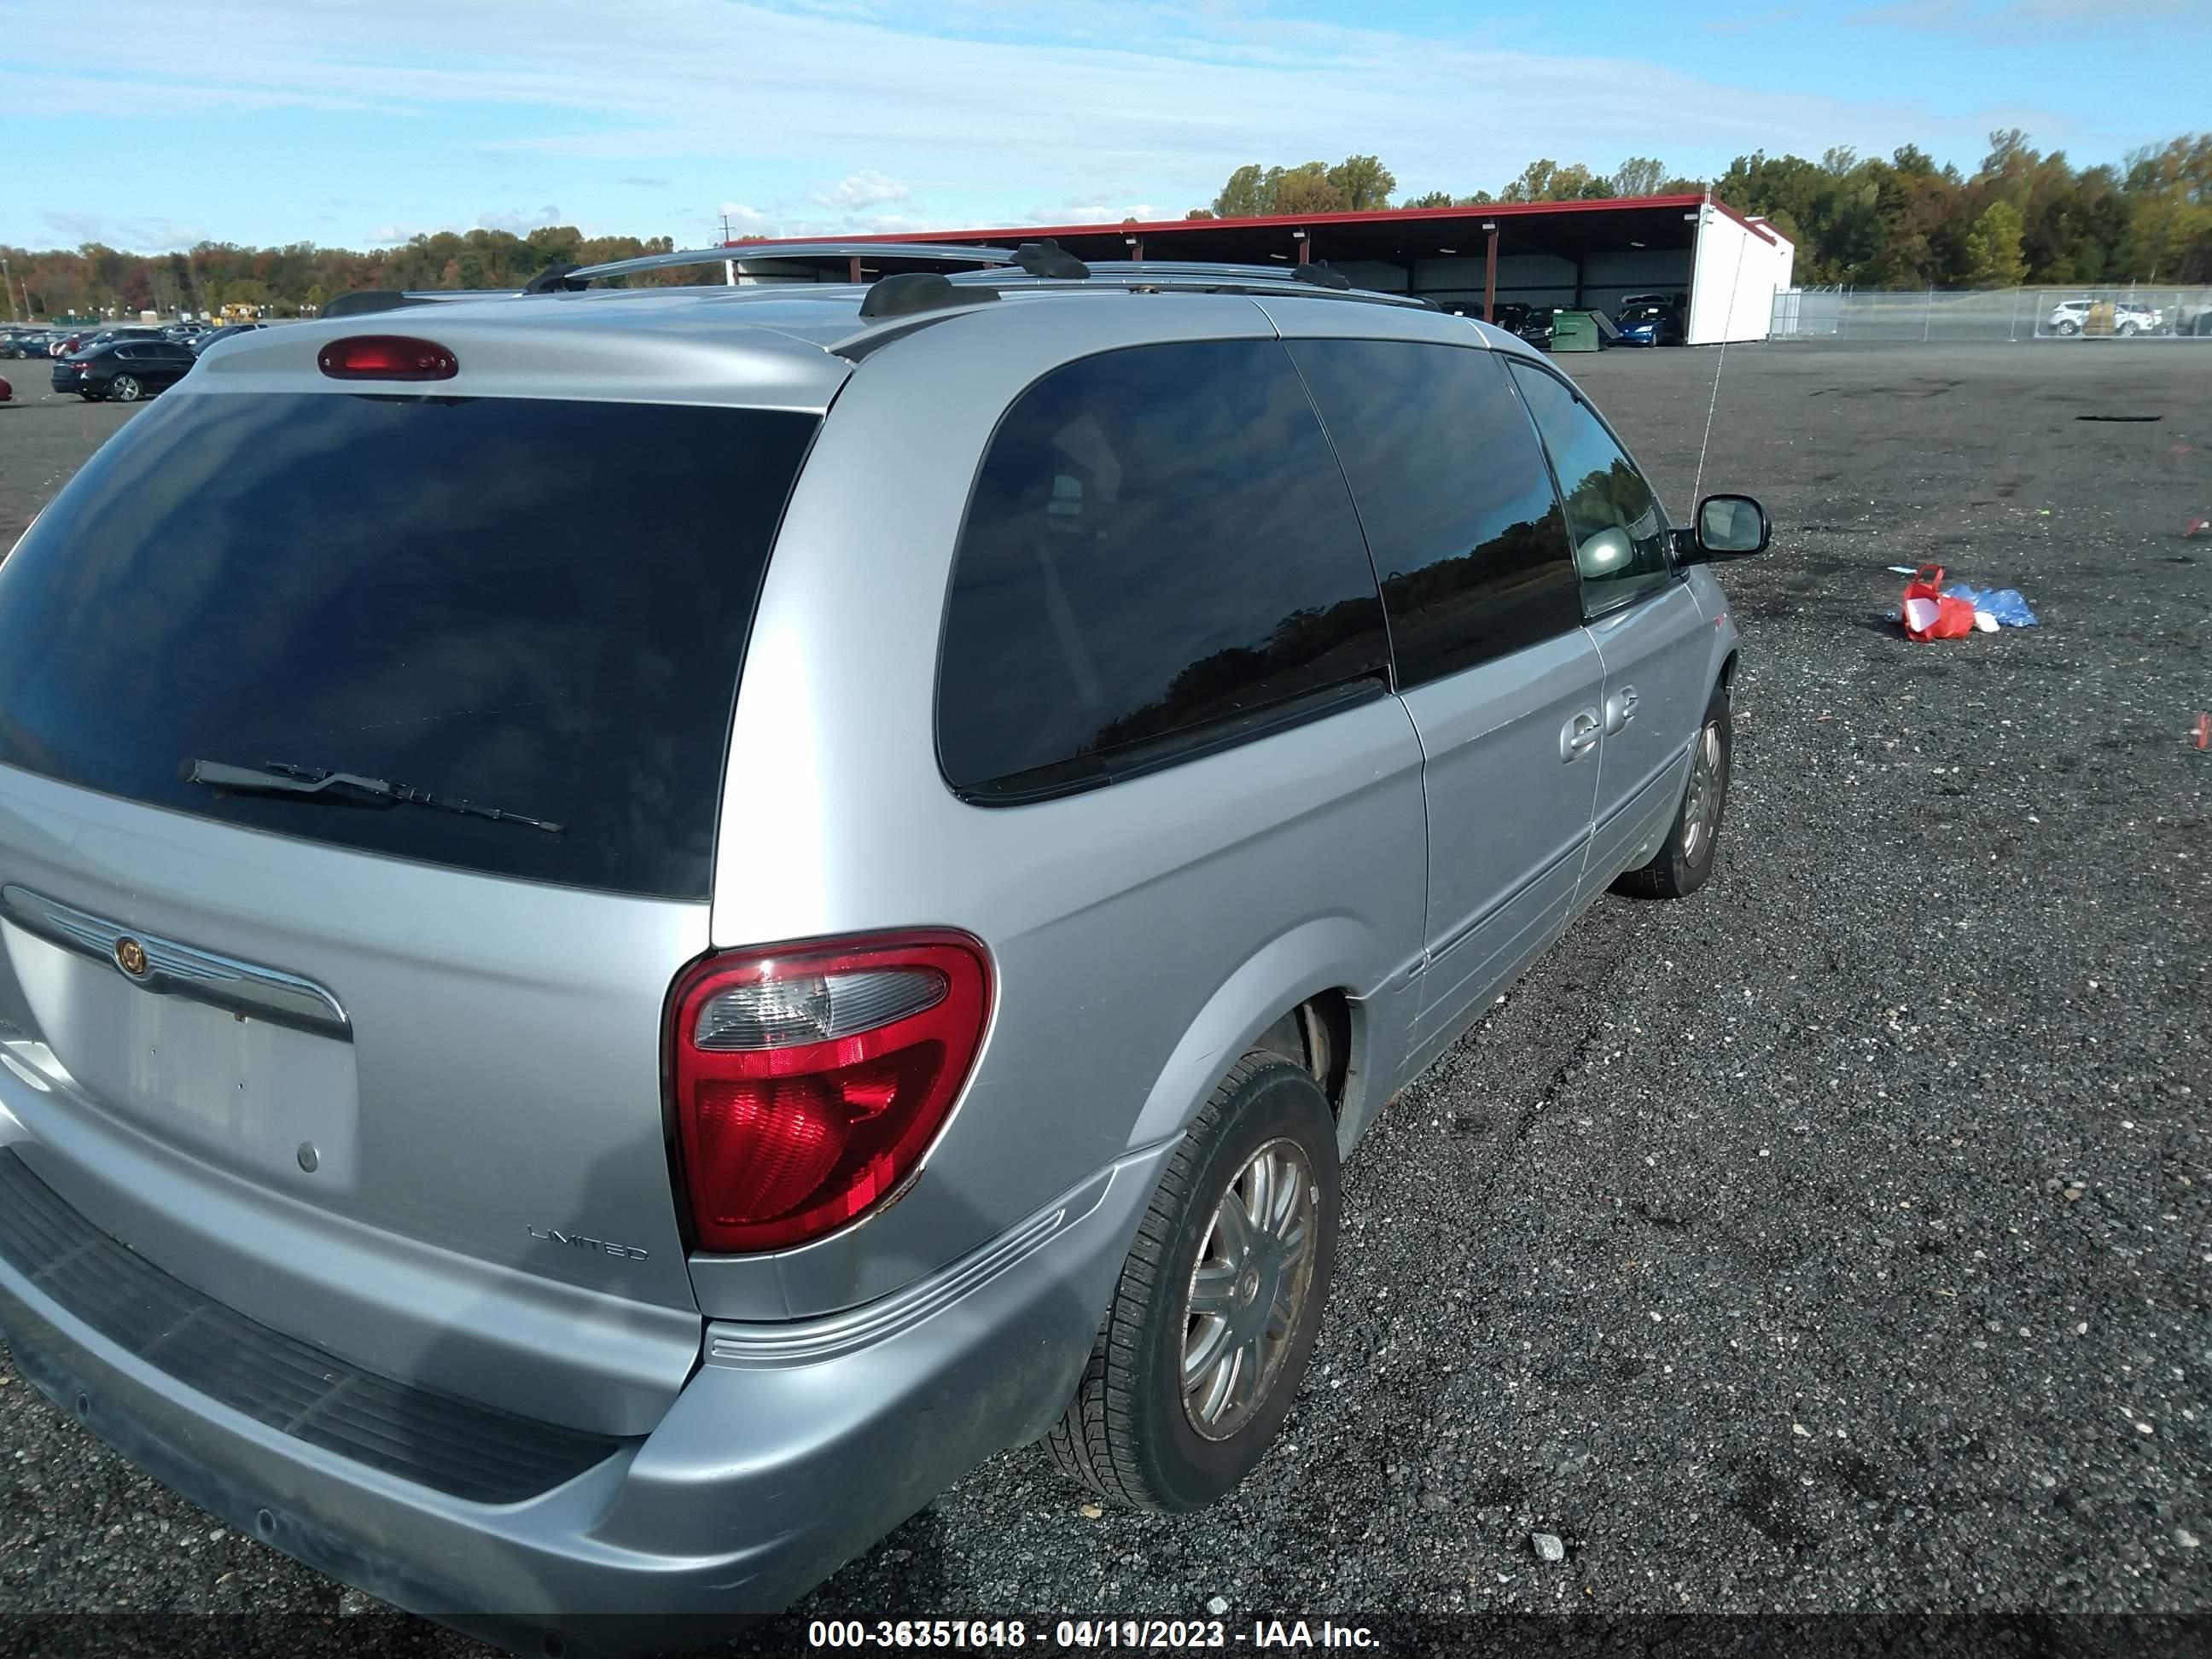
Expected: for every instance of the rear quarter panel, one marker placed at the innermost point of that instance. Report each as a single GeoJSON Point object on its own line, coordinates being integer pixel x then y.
{"type": "Point", "coordinates": [1142, 934]}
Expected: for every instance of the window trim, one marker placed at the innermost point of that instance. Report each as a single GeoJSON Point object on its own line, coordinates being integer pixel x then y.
{"type": "Point", "coordinates": [1674, 573]}
{"type": "Point", "coordinates": [1102, 768]}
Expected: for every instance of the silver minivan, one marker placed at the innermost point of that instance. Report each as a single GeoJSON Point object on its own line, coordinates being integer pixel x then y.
{"type": "Point", "coordinates": [638, 925]}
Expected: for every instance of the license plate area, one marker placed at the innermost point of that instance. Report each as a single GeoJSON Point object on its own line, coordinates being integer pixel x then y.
{"type": "Point", "coordinates": [245, 1092]}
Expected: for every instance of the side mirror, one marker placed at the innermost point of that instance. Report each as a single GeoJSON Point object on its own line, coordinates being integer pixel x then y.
{"type": "Point", "coordinates": [1729, 527]}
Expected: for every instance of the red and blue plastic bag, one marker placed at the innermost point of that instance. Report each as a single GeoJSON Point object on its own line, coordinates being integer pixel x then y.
{"type": "Point", "coordinates": [1928, 613]}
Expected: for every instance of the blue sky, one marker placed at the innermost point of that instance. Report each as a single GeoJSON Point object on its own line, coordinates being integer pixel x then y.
{"type": "Point", "coordinates": [360, 122]}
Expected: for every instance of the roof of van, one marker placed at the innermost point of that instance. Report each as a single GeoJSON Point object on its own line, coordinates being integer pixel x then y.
{"type": "Point", "coordinates": [788, 345]}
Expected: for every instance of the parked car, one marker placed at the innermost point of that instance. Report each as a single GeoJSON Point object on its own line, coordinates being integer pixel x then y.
{"type": "Point", "coordinates": [535, 1088]}
{"type": "Point", "coordinates": [7, 392]}
{"type": "Point", "coordinates": [227, 332]}
{"type": "Point", "coordinates": [2129, 317]}
{"type": "Point", "coordinates": [122, 371]}
{"type": "Point", "coordinates": [1648, 319]}
{"type": "Point", "coordinates": [25, 343]}
{"type": "Point", "coordinates": [109, 335]}
{"type": "Point", "coordinates": [63, 345]}
{"type": "Point", "coordinates": [1532, 324]}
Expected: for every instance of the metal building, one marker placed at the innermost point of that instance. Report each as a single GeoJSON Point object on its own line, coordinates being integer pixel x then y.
{"type": "Point", "coordinates": [1578, 254]}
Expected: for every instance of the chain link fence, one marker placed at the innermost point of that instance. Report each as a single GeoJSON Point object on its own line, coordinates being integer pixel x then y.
{"type": "Point", "coordinates": [1952, 315]}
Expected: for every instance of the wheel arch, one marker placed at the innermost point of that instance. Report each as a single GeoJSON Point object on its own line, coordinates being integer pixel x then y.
{"type": "Point", "coordinates": [1312, 979]}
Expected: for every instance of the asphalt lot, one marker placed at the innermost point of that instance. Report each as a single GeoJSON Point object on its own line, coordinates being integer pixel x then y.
{"type": "Point", "coordinates": [1835, 1240]}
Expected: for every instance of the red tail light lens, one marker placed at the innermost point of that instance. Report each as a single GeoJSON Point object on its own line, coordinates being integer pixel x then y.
{"type": "Point", "coordinates": [386, 357]}
{"type": "Point", "coordinates": [809, 1083]}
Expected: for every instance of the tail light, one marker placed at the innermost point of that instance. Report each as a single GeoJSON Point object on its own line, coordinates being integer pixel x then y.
{"type": "Point", "coordinates": [810, 1082]}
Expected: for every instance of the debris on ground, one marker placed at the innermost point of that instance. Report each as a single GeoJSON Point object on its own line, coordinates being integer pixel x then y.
{"type": "Point", "coordinates": [2204, 730]}
{"type": "Point", "coordinates": [1928, 614]}
{"type": "Point", "coordinates": [2196, 527]}
{"type": "Point", "coordinates": [2004, 605]}
{"type": "Point", "coordinates": [1547, 1547]}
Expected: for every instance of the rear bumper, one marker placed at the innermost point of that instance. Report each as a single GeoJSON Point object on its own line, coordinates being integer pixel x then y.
{"type": "Point", "coordinates": [792, 1449]}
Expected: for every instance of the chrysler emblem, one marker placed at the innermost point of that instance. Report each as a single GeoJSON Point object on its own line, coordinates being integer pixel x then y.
{"type": "Point", "coordinates": [131, 958]}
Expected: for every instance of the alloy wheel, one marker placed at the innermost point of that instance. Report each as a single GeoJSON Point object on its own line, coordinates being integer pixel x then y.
{"type": "Point", "coordinates": [1248, 1289]}
{"type": "Point", "coordinates": [1701, 811]}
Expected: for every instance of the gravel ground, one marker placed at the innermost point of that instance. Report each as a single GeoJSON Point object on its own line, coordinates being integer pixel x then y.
{"type": "Point", "coordinates": [1836, 1240]}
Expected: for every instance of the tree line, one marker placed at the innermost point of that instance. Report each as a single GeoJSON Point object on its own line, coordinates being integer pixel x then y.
{"type": "Point", "coordinates": [302, 277]}
{"type": "Point", "coordinates": [2023, 216]}
{"type": "Point", "coordinates": [2020, 216]}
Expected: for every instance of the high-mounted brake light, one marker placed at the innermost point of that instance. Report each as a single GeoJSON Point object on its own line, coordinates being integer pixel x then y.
{"type": "Point", "coordinates": [809, 1083]}
{"type": "Point", "coordinates": [386, 357]}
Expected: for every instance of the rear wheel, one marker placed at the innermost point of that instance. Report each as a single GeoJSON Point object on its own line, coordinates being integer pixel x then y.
{"type": "Point", "coordinates": [1215, 1318]}
{"type": "Point", "coordinates": [125, 389]}
{"type": "Point", "coordinates": [1685, 859]}
{"type": "Point", "coordinates": [2069, 327]}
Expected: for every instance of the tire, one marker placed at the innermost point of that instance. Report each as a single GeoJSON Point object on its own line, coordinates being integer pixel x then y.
{"type": "Point", "coordinates": [2126, 328]}
{"type": "Point", "coordinates": [1129, 1434]}
{"type": "Point", "coordinates": [1685, 859]}
{"type": "Point", "coordinates": [125, 389]}
{"type": "Point", "coordinates": [2069, 327]}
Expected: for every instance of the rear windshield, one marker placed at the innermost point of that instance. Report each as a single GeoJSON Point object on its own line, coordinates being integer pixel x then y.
{"type": "Point", "coordinates": [533, 605]}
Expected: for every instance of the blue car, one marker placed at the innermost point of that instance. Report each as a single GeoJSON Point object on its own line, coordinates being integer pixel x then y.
{"type": "Point", "coordinates": [1648, 319]}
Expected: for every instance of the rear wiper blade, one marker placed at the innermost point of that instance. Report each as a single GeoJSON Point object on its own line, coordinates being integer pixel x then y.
{"type": "Point", "coordinates": [279, 778]}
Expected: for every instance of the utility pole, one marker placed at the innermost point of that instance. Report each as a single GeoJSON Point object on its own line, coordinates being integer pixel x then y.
{"type": "Point", "coordinates": [9, 278]}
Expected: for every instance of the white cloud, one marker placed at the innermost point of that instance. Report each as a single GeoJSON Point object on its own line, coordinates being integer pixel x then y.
{"type": "Point", "coordinates": [78, 226]}
{"type": "Point", "coordinates": [1100, 212]}
{"type": "Point", "coordinates": [1087, 102]}
{"type": "Point", "coordinates": [2010, 18]}
{"type": "Point", "coordinates": [744, 221]}
{"type": "Point", "coordinates": [519, 223]}
{"type": "Point", "coordinates": [865, 189]}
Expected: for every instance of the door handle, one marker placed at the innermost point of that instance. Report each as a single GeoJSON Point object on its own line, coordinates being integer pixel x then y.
{"type": "Point", "coordinates": [1579, 735]}
{"type": "Point", "coordinates": [1620, 708]}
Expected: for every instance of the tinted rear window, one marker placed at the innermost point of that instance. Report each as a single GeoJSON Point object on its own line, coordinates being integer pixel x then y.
{"type": "Point", "coordinates": [538, 606]}
{"type": "Point", "coordinates": [1160, 551]}
{"type": "Point", "coordinates": [1459, 512]}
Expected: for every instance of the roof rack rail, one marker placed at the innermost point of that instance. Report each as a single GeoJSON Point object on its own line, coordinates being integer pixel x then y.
{"type": "Point", "coordinates": [910, 292]}
{"type": "Point", "coordinates": [366, 301]}
{"type": "Point", "coordinates": [741, 254]}
{"type": "Point", "coordinates": [1321, 282]}
{"type": "Point", "coordinates": [897, 304]}
{"type": "Point", "coordinates": [557, 278]}
{"type": "Point", "coordinates": [1046, 259]}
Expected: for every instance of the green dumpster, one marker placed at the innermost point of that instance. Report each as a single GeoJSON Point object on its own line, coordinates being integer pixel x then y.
{"type": "Point", "coordinates": [1574, 330]}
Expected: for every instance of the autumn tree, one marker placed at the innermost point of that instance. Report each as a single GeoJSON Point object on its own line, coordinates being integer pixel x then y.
{"type": "Point", "coordinates": [1993, 253]}
{"type": "Point", "coordinates": [1639, 175]}
{"type": "Point", "coordinates": [1364, 182]}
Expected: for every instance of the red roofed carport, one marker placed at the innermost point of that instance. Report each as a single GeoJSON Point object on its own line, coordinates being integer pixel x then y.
{"type": "Point", "coordinates": [1576, 254]}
